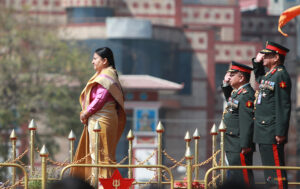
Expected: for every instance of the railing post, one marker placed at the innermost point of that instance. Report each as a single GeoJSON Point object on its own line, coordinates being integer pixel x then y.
{"type": "Point", "coordinates": [71, 138]}
{"type": "Point", "coordinates": [13, 139]}
{"type": "Point", "coordinates": [222, 130]}
{"type": "Point", "coordinates": [214, 133]}
{"type": "Point", "coordinates": [159, 129]}
{"type": "Point", "coordinates": [187, 139]}
{"type": "Point", "coordinates": [189, 159]}
{"type": "Point", "coordinates": [32, 128]}
{"type": "Point", "coordinates": [130, 138]}
{"type": "Point", "coordinates": [196, 137]}
{"type": "Point", "coordinates": [44, 155]}
{"type": "Point", "coordinates": [97, 130]}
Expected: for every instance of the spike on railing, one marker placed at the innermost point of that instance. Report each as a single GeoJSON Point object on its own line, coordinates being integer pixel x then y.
{"type": "Point", "coordinates": [187, 137]}
{"type": "Point", "coordinates": [160, 128]}
{"type": "Point", "coordinates": [130, 135]}
{"type": "Point", "coordinates": [97, 127]}
{"type": "Point", "coordinates": [32, 125]}
{"type": "Point", "coordinates": [71, 136]}
{"type": "Point", "coordinates": [13, 135]}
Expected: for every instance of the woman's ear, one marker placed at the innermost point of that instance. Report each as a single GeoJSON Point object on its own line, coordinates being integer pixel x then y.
{"type": "Point", "coordinates": [105, 61]}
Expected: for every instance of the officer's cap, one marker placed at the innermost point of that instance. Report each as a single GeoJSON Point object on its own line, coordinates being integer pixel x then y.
{"type": "Point", "coordinates": [272, 47]}
{"type": "Point", "coordinates": [238, 67]}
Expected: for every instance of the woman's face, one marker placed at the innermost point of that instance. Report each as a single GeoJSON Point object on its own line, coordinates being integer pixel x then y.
{"type": "Point", "coordinates": [99, 62]}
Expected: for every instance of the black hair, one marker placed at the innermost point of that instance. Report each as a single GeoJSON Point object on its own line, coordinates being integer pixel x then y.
{"type": "Point", "coordinates": [281, 58]}
{"type": "Point", "coordinates": [247, 76]}
{"type": "Point", "coordinates": [70, 183]}
{"type": "Point", "coordinates": [106, 52]}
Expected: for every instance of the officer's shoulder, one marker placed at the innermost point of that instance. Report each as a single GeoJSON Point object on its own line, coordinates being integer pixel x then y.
{"type": "Point", "coordinates": [248, 91]}
{"type": "Point", "coordinates": [282, 74]}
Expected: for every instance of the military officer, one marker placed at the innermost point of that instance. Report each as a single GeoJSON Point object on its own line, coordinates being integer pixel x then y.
{"type": "Point", "coordinates": [272, 110]}
{"type": "Point", "coordinates": [238, 118]}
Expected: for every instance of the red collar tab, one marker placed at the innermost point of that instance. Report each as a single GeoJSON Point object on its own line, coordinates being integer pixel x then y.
{"type": "Point", "coordinates": [274, 71]}
{"type": "Point", "coordinates": [276, 49]}
{"type": "Point", "coordinates": [233, 67]}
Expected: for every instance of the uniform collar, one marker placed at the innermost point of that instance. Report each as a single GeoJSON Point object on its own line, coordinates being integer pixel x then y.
{"type": "Point", "coordinates": [243, 86]}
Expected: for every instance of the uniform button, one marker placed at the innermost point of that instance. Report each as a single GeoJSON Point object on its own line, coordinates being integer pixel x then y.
{"type": "Point", "coordinates": [254, 118]}
{"type": "Point", "coordinates": [263, 122]}
{"type": "Point", "coordinates": [230, 133]}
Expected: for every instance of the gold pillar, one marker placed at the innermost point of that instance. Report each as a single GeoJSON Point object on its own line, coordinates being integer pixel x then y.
{"type": "Point", "coordinates": [159, 129]}
{"type": "Point", "coordinates": [130, 138]}
{"type": "Point", "coordinates": [44, 155]}
{"type": "Point", "coordinates": [214, 133]}
{"type": "Point", "coordinates": [222, 130]}
{"type": "Point", "coordinates": [97, 130]}
{"type": "Point", "coordinates": [32, 128]}
{"type": "Point", "coordinates": [13, 139]}
{"type": "Point", "coordinates": [71, 138]}
{"type": "Point", "coordinates": [196, 137]}
{"type": "Point", "coordinates": [189, 159]}
{"type": "Point", "coordinates": [187, 139]}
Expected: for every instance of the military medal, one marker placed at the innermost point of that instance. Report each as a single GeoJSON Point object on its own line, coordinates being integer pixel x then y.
{"type": "Point", "coordinates": [264, 94]}
{"type": "Point", "coordinates": [259, 98]}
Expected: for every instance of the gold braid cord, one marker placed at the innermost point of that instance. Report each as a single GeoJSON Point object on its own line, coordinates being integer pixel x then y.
{"type": "Point", "coordinates": [143, 162]}
{"type": "Point", "coordinates": [18, 183]}
{"type": "Point", "coordinates": [176, 163]}
{"type": "Point", "coordinates": [5, 183]}
{"type": "Point", "coordinates": [214, 180]}
{"type": "Point", "coordinates": [208, 160]}
{"type": "Point", "coordinates": [17, 158]}
{"type": "Point", "coordinates": [147, 183]}
{"type": "Point", "coordinates": [123, 160]}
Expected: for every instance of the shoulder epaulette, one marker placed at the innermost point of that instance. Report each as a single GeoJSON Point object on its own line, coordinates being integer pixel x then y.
{"type": "Point", "coordinates": [245, 91]}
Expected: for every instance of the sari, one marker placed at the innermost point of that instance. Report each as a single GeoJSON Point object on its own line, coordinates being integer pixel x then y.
{"type": "Point", "coordinates": [112, 119]}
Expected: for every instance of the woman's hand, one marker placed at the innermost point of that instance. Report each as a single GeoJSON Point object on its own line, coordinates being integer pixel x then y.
{"type": "Point", "coordinates": [84, 118]}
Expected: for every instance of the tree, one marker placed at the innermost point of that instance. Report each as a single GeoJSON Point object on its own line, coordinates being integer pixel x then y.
{"type": "Point", "coordinates": [41, 77]}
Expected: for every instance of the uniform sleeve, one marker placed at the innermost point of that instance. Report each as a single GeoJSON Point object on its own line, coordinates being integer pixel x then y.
{"type": "Point", "coordinates": [102, 95]}
{"type": "Point", "coordinates": [259, 70]}
{"type": "Point", "coordinates": [246, 122]}
{"type": "Point", "coordinates": [226, 91]}
{"type": "Point", "coordinates": [282, 104]}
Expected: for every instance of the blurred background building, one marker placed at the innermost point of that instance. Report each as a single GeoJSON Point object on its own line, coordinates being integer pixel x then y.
{"type": "Point", "coordinates": [173, 55]}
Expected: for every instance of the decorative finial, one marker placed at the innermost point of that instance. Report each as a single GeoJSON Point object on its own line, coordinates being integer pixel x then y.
{"type": "Point", "coordinates": [222, 127]}
{"type": "Point", "coordinates": [44, 152]}
{"type": "Point", "coordinates": [188, 153]}
{"type": "Point", "coordinates": [72, 135]}
{"type": "Point", "coordinates": [130, 135]}
{"type": "Point", "coordinates": [196, 134]}
{"type": "Point", "coordinates": [214, 130]}
{"type": "Point", "coordinates": [97, 127]}
{"type": "Point", "coordinates": [13, 135]}
{"type": "Point", "coordinates": [32, 125]}
{"type": "Point", "coordinates": [160, 128]}
{"type": "Point", "coordinates": [187, 137]}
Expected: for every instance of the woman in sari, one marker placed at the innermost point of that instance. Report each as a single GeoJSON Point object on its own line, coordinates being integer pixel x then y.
{"type": "Point", "coordinates": [102, 101]}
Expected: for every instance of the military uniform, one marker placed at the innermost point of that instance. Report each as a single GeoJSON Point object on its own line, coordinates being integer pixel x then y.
{"type": "Point", "coordinates": [238, 118]}
{"type": "Point", "coordinates": [272, 114]}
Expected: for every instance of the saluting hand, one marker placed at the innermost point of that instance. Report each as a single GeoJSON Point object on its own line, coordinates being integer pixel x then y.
{"type": "Point", "coordinates": [227, 77]}
{"type": "Point", "coordinates": [259, 57]}
{"type": "Point", "coordinates": [280, 139]}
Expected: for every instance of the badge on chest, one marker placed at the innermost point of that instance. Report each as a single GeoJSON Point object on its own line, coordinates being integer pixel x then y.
{"type": "Point", "coordinates": [264, 86]}
{"type": "Point", "coordinates": [232, 104]}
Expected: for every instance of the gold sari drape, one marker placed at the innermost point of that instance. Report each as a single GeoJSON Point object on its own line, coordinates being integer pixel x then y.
{"type": "Point", "coordinates": [111, 118]}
